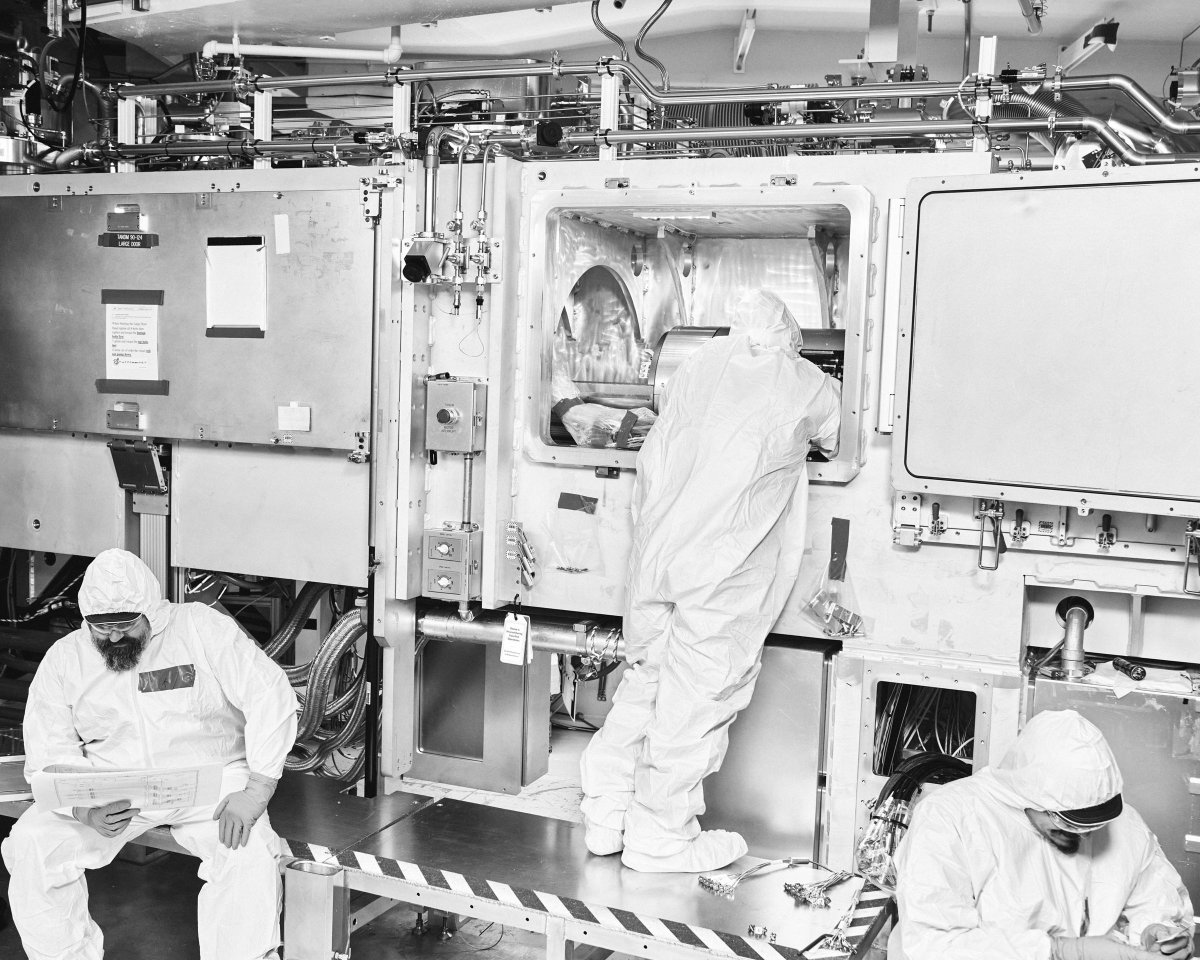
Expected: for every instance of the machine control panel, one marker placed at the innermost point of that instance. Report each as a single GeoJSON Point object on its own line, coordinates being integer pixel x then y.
{"type": "Point", "coordinates": [450, 564]}
{"type": "Point", "coordinates": [454, 415]}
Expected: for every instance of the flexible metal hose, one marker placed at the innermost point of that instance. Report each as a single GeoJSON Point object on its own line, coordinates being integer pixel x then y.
{"type": "Point", "coordinates": [608, 33]}
{"type": "Point", "coordinates": [324, 746]}
{"type": "Point", "coordinates": [345, 633]}
{"type": "Point", "coordinates": [637, 43]}
{"type": "Point", "coordinates": [295, 620]}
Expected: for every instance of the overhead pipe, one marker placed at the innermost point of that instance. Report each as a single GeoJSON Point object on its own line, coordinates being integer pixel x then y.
{"type": "Point", "coordinates": [966, 70]}
{"type": "Point", "coordinates": [1134, 92]}
{"type": "Point", "coordinates": [389, 54]}
{"type": "Point", "coordinates": [621, 67]}
{"type": "Point", "coordinates": [580, 638]}
{"type": "Point", "coordinates": [234, 149]}
{"type": "Point", "coordinates": [873, 130]}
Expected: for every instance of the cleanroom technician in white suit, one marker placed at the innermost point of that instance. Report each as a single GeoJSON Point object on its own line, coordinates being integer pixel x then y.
{"type": "Point", "coordinates": [148, 683]}
{"type": "Point", "coordinates": [719, 511]}
{"type": "Point", "coordinates": [1038, 858]}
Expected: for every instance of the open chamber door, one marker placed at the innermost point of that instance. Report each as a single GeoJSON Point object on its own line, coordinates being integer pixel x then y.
{"type": "Point", "coordinates": [1045, 351]}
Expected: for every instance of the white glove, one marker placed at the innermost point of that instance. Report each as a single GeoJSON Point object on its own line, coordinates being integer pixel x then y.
{"type": "Point", "coordinates": [109, 820]}
{"type": "Point", "coordinates": [1168, 940]}
{"type": "Point", "coordinates": [239, 811]}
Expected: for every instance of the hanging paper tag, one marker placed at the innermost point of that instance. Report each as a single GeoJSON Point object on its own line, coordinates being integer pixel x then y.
{"type": "Point", "coordinates": [514, 648]}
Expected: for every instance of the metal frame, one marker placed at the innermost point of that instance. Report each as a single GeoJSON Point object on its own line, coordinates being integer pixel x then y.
{"type": "Point", "coordinates": [637, 187]}
{"type": "Point", "coordinates": [1082, 498]}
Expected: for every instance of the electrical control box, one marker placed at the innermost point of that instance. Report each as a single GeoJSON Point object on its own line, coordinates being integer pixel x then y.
{"type": "Point", "coordinates": [450, 564]}
{"type": "Point", "coordinates": [454, 415]}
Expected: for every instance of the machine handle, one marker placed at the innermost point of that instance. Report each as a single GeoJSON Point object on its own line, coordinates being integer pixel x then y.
{"type": "Point", "coordinates": [1194, 785]}
{"type": "Point", "coordinates": [1191, 843]}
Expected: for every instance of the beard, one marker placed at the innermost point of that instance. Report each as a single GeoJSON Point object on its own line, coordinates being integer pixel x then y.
{"type": "Point", "coordinates": [122, 655]}
{"type": "Point", "coordinates": [1066, 842]}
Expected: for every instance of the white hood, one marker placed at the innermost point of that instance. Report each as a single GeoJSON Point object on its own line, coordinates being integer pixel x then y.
{"type": "Point", "coordinates": [767, 321]}
{"type": "Point", "coordinates": [117, 581]}
{"type": "Point", "coordinates": [1060, 761]}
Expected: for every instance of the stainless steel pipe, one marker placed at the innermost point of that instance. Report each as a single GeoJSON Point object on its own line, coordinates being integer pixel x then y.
{"type": "Point", "coordinates": [580, 638]}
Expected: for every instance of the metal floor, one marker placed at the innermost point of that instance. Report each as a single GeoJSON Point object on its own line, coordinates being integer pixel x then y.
{"type": "Point", "coordinates": [485, 862]}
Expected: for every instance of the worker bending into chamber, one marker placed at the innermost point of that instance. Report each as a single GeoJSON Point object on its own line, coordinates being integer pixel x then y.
{"type": "Point", "coordinates": [145, 683]}
{"type": "Point", "coordinates": [1037, 858]}
{"type": "Point", "coordinates": [719, 510]}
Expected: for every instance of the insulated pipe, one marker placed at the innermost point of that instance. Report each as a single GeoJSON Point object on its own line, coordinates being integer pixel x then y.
{"type": "Point", "coordinates": [389, 54]}
{"type": "Point", "coordinates": [546, 635]}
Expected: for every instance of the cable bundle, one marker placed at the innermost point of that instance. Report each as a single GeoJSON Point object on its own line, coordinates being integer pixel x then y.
{"type": "Point", "coordinates": [893, 809]}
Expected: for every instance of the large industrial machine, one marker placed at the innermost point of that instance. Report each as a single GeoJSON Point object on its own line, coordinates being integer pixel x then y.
{"type": "Point", "coordinates": [313, 367]}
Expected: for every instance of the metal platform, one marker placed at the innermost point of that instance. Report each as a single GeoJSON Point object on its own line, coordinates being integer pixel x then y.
{"type": "Point", "coordinates": [536, 874]}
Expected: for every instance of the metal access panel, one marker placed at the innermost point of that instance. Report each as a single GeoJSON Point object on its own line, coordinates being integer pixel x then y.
{"type": "Point", "coordinates": [235, 306]}
{"type": "Point", "coordinates": [297, 514]}
{"type": "Point", "coordinates": [769, 787]}
{"type": "Point", "coordinates": [1156, 740]}
{"type": "Point", "coordinates": [60, 495]}
{"type": "Point", "coordinates": [1044, 352]}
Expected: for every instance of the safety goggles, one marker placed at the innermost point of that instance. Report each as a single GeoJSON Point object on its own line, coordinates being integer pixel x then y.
{"type": "Point", "coordinates": [1065, 825]}
{"type": "Point", "coordinates": [112, 631]}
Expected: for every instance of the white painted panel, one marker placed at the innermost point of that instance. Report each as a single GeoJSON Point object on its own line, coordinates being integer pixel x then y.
{"type": "Point", "coordinates": [60, 494]}
{"type": "Point", "coordinates": [1051, 357]}
{"type": "Point", "coordinates": [287, 513]}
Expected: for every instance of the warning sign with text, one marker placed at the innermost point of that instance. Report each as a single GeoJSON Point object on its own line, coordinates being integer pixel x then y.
{"type": "Point", "coordinates": [131, 336]}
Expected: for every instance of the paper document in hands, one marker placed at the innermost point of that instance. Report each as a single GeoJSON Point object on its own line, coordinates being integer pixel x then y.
{"type": "Point", "coordinates": [144, 789]}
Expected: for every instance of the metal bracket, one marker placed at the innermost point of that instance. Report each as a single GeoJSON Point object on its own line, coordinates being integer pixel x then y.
{"type": "Point", "coordinates": [1021, 528]}
{"type": "Point", "coordinates": [372, 197]}
{"type": "Point", "coordinates": [617, 183]}
{"type": "Point", "coordinates": [937, 526]}
{"type": "Point", "coordinates": [993, 511]}
{"type": "Point", "coordinates": [906, 519]}
{"type": "Point", "coordinates": [785, 180]}
{"type": "Point", "coordinates": [1191, 545]}
{"type": "Point", "coordinates": [1106, 533]}
{"type": "Point", "coordinates": [137, 465]}
{"type": "Point", "coordinates": [1060, 538]}
{"type": "Point", "coordinates": [520, 553]}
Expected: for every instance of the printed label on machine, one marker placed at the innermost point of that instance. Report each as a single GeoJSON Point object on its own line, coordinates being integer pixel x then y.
{"type": "Point", "coordinates": [515, 647]}
{"type": "Point", "coordinates": [131, 341]}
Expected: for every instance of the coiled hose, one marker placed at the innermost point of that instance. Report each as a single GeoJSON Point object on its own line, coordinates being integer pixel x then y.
{"type": "Point", "coordinates": [295, 620]}
{"type": "Point", "coordinates": [319, 674]}
{"type": "Point", "coordinates": [315, 753]}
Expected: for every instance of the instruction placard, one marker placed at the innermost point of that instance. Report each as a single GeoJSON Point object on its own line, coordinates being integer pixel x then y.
{"type": "Point", "coordinates": [131, 341]}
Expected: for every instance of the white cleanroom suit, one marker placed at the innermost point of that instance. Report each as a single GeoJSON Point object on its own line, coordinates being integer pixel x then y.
{"type": "Point", "coordinates": [202, 693]}
{"type": "Point", "coordinates": [977, 880]}
{"type": "Point", "coordinates": [719, 510]}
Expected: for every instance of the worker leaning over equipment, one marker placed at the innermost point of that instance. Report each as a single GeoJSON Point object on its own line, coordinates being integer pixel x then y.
{"type": "Point", "coordinates": [146, 683]}
{"type": "Point", "coordinates": [719, 509]}
{"type": "Point", "coordinates": [1038, 858]}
